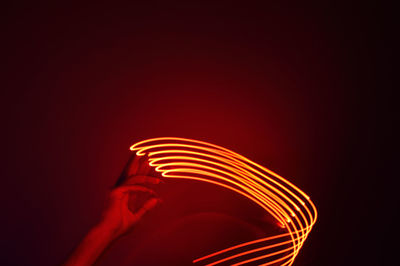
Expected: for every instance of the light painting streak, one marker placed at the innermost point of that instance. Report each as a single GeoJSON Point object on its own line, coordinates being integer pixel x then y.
{"type": "Point", "coordinates": [202, 161]}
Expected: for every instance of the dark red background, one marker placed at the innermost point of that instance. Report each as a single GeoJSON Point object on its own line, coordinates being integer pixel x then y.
{"type": "Point", "coordinates": [299, 88]}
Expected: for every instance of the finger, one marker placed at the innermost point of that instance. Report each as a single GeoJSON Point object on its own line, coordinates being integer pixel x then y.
{"type": "Point", "coordinates": [125, 171]}
{"type": "Point", "coordinates": [125, 199]}
{"type": "Point", "coordinates": [134, 166]}
{"type": "Point", "coordinates": [120, 191]}
{"type": "Point", "coordinates": [142, 179]}
{"type": "Point", "coordinates": [150, 204]}
{"type": "Point", "coordinates": [144, 167]}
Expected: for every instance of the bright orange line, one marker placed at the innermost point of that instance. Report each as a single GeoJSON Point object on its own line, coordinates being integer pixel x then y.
{"type": "Point", "coordinates": [202, 161]}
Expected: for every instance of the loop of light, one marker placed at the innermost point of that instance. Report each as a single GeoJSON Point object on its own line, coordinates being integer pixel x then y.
{"type": "Point", "coordinates": [198, 160]}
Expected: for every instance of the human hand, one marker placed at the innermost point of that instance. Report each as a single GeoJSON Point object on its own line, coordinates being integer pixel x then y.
{"type": "Point", "coordinates": [131, 199]}
{"type": "Point", "coordinates": [125, 208]}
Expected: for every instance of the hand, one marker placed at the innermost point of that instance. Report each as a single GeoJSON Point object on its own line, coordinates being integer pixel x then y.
{"type": "Point", "coordinates": [129, 201]}
{"type": "Point", "coordinates": [121, 214]}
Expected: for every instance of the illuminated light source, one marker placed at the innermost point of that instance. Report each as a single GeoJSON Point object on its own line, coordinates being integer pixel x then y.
{"type": "Point", "coordinates": [202, 161]}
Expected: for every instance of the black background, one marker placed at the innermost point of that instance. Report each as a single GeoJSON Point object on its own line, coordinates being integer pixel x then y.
{"type": "Point", "coordinates": [304, 89]}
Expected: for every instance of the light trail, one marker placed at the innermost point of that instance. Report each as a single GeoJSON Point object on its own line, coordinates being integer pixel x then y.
{"type": "Point", "coordinates": [202, 161]}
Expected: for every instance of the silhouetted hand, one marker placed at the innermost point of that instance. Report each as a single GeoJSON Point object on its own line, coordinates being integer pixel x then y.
{"type": "Point", "coordinates": [128, 202]}
{"type": "Point", "coordinates": [120, 215]}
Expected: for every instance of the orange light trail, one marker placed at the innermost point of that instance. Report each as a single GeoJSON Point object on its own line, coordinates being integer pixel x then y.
{"type": "Point", "coordinates": [198, 160]}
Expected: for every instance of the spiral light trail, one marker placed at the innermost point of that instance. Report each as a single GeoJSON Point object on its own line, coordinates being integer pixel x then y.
{"type": "Point", "coordinates": [198, 160]}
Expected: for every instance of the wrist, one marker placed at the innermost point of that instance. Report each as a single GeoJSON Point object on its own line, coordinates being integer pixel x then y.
{"type": "Point", "coordinates": [105, 231]}
{"type": "Point", "coordinates": [110, 229]}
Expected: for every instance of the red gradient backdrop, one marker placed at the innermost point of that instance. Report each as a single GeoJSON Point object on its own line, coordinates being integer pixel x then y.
{"type": "Point", "coordinates": [290, 87]}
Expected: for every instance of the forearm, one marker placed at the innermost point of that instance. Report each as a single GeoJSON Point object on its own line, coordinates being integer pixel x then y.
{"type": "Point", "coordinates": [92, 246]}
{"type": "Point", "coordinates": [117, 219]}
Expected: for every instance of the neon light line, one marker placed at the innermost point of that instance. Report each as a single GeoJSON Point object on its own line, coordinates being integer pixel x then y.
{"type": "Point", "coordinates": [198, 160]}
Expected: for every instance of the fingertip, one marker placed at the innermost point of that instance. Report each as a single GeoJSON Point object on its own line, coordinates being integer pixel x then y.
{"type": "Point", "coordinates": [154, 202]}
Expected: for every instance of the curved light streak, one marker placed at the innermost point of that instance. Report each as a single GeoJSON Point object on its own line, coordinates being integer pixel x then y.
{"type": "Point", "coordinates": [198, 160]}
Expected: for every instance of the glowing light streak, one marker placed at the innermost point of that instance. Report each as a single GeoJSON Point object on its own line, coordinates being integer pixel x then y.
{"type": "Point", "coordinates": [202, 161]}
